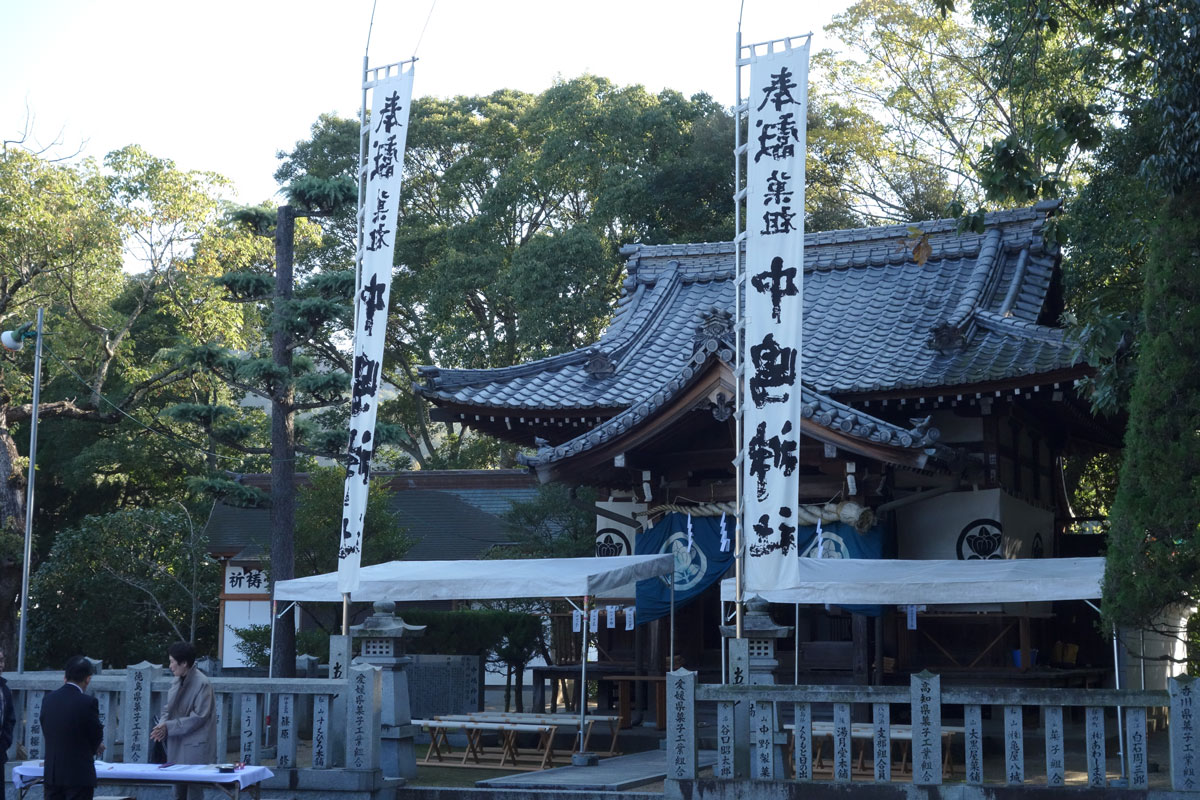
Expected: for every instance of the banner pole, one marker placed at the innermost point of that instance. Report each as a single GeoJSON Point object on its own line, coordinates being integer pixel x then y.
{"type": "Point", "coordinates": [583, 656]}
{"type": "Point", "coordinates": [739, 577]}
{"type": "Point", "coordinates": [345, 613]}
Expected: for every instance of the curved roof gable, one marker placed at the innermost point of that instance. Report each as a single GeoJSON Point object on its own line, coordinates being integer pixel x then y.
{"type": "Point", "coordinates": [875, 320]}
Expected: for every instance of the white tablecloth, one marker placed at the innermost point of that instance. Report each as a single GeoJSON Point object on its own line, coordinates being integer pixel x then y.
{"type": "Point", "coordinates": [154, 773]}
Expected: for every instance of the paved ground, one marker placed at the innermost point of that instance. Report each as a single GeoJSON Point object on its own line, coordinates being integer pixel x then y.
{"type": "Point", "coordinates": [611, 774]}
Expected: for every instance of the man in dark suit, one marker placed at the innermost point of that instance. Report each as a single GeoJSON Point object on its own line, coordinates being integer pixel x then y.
{"type": "Point", "coordinates": [73, 734]}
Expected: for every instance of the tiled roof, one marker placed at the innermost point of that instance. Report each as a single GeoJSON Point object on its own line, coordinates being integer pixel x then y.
{"type": "Point", "coordinates": [875, 320]}
{"type": "Point", "coordinates": [816, 409]}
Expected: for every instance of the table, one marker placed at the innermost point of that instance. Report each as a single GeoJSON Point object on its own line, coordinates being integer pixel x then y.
{"type": "Point", "coordinates": [30, 773]}
{"type": "Point", "coordinates": [474, 755]}
{"type": "Point", "coordinates": [563, 721]}
{"type": "Point", "coordinates": [625, 690]}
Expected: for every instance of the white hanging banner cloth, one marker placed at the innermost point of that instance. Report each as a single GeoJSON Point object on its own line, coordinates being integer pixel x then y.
{"type": "Point", "coordinates": [384, 168]}
{"type": "Point", "coordinates": [774, 271]}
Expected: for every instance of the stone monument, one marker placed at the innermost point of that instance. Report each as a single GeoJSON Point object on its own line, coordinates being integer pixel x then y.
{"type": "Point", "coordinates": [381, 636]}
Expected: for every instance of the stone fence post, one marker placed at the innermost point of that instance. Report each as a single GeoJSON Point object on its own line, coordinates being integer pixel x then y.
{"type": "Point", "coordinates": [681, 725]}
{"type": "Point", "coordinates": [364, 717]}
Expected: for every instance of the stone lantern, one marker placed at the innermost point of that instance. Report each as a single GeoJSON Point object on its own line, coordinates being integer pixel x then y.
{"type": "Point", "coordinates": [761, 634]}
{"type": "Point", "coordinates": [381, 636]}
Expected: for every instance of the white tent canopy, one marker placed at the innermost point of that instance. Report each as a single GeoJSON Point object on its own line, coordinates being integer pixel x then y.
{"type": "Point", "coordinates": [405, 581]}
{"type": "Point", "coordinates": [901, 582]}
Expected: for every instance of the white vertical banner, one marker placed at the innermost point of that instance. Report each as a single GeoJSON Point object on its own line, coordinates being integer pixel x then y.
{"type": "Point", "coordinates": [774, 273]}
{"type": "Point", "coordinates": [383, 168]}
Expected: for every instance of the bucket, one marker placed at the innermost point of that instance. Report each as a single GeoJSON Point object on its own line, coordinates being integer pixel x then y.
{"type": "Point", "coordinates": [1016, 657]}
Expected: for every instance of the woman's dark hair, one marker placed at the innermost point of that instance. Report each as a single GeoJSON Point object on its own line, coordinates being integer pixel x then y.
{"type": "Point", "coordinates": [183, 653]}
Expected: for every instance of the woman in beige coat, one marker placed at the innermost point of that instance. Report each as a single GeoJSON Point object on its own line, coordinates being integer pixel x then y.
{"type": "Point", "coordinates": [187, 725]}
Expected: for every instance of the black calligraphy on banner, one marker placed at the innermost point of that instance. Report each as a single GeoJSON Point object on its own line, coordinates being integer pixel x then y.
{"type": "Point", "coordinates": [777, 140]}
{"type": "Point", "coordinates": [779, 91]}
{"type": "Point", "coordinates": [781, 538]}
{"type": "Point", "coordinates": [779, 282]}
{"type": "Point", "coordinates": [372, 300]}
{"type": "Point", "coordinates": [765, 454]}
{"type": "Point", "coordinates": [358, 461]}
{"type": "Point", "coordinates": [377, 235]}
{"type": "Point", "coordinates": [391, 110]}
{"type": "Point", "coordinates": [385, 157]}
{"type": "Point", "coordinates": [348, 544]}
{"type": "Point", "coordinates": [365, 384]}
{"type": "Point", "coordinates": [774, 368]}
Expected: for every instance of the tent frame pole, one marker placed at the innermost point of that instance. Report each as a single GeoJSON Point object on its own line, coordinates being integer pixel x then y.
{"type": "Point", "coordinates": [583, 657]}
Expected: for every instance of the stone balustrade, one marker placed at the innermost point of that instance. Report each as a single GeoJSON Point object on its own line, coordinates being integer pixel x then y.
{"type": "Point", "coordinates": [308, 734]}
{"type": "Point", "coordinates": [756, 750]}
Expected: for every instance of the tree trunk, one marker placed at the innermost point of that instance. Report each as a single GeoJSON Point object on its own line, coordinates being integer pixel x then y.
{"type": "Point", "coordinates": [12, 538]}
{"type": "Point", "coordinates": [283, 447]}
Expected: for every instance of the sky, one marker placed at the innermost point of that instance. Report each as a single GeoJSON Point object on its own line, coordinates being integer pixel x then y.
{"type": "Point", "coordinates": [223, 85]}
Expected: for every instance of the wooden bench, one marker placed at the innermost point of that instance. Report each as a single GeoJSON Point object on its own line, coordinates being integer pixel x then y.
{"type": "Point", "coordinates": [864, 733]}
{"type": "Point", "coordinates": [474, 754]}
{"type": "Point", "coordinates": [564, 721]}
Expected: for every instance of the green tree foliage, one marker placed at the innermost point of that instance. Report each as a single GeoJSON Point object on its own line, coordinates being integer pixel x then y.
{"type": "Point", "coordinates": [103, 248]}
{"type": "Point", "coordinates": [319, 520]}
{"type": "Point", "coordinates": [558, 523]}
{"type": "Point", "coordinates": [1153, 563]}
{"type": "Point", "coordinates": [513, 211]}
{"type": "Point", "coordinates": [1138, 58]}
{"type": "Point", "coordinates": [937, 99]}
{"type": "Point", "coordinates": [123, 586]}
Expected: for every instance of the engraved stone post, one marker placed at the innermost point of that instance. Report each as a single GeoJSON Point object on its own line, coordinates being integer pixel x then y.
{"type": "Point", "coordinates": [250, 724]}
{"type": "Point", "coordinates": [681, 725]}
{"type": "Point", "coordinates": [33, 725]}
{"type": "Point", "coordinates": [285, 750]}
{"type": "Point", "coordinates": [723, 769]}
{"type": "Point", "coordinates": [802, 741]}
{"type": "Point", "coordinates": [321, 740]}
{"type": "Point", "coordinates": [1014, 747]}
{"type": "Point", "coordinates": [1184, 742]}
{"type": "Point", "coordinates": [841, 742]}
{"type": "Point", "coordinates": [926, 692]}
{"type": "Point", "coordinates": [364, 717]}
{"type": "Point", "coordinates": [1055, 755]}
{"type": "Point", "coordinates": [1135, 732]}
{"type": "Point", "coordinates": [973, 744]}
{"type": "Point", "coordinates": [339, 669]}
{"type": "Point", "coordinates": [881, 736]}
{"type": "Point", "coordinates": [104, 700]}
{"type": "Point", "coordinates": [139, 712]}
{"type": "Point", "coordinates": [739, 675]}
{"type": "Point", "coordinates": [764, 740]}
{"type": "Point", "coordinates": [221, 702]}
{"type": "Point", "coordinates": [1097, 774]}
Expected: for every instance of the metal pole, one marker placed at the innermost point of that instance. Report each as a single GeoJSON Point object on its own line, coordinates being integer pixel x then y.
{"type": "Point", "coordinates": [29, 482]}
{"type": "Point", "coordinates": [583, 675]}
{"type": "Point", "coordinates": [671, 649]}
{"type": "Point", "coordinates": [271, 649]}
{"type": "Point", "coordinates": [1117, 680]}
{"type": "Point", "coordinates": [739, 578]}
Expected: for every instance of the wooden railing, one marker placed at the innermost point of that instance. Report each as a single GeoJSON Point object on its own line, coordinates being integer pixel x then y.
{"type": "Point", "coordinates": [341, 733]}
{"type": "Point", "coordinates": [752, 742]}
